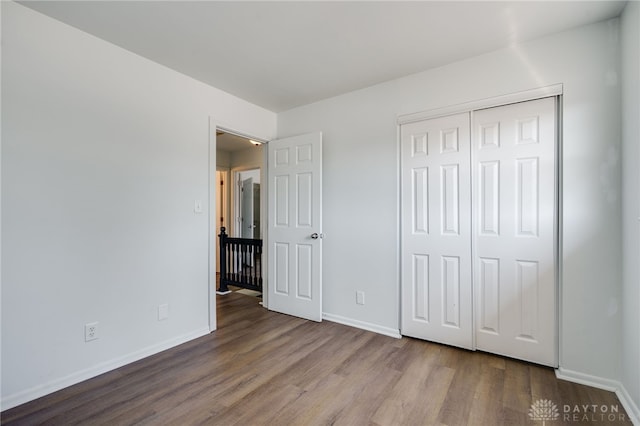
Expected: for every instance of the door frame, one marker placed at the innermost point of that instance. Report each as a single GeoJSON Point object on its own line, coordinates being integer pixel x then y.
{"type": "Point", "coordinates": [213, 239]}
{"type": "Point", "coordinates": [556, 91]}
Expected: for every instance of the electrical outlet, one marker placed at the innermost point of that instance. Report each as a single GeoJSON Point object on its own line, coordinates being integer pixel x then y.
{"type": "Point", "coordinates": [163, 312]}
{"type": "Point", "coordinates": [90, 331]}
{"type": "Point", "coordinates": [360, 297]}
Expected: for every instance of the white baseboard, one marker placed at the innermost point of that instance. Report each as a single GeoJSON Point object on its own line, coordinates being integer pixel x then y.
{"type": "Point", "coordinates": [605, 384]}
{"type": "Point", "coordinates": [391, 332]}
{"type": "Point", "coordinates": [35, 392]}
{"type": "Point", "coordinates": [587, 379]}
{"type": "Point", "coordinates": [629, 405]}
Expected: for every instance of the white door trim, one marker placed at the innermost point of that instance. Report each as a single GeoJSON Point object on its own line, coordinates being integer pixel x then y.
{"type": "Point", "coordinates": [231, 131]}
{"type": "Point", "coordinates": [211, 300]}
{"type": "Point", "coordinates": [558, 228]}
{"type": "Point", "coordinates": [512, 98]}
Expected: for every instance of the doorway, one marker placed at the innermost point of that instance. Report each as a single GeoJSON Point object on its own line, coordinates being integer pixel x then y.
{"type": "Point", "coordinates": [234, 156]}
{"type": "Point", "coordinates": [295, 231]}
{"type": "Point", "coordinates": [239, 166]}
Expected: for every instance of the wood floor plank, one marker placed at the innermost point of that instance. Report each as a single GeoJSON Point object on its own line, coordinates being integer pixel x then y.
{"type": "Point", "coordinates": [517, 392]}
{"type": "Point", "coordinates": [265, 368]}
{"type": "Point", "coordinates": [371, 394]}
{"type": "Point", "coordinates": [305, 407]}
{"type": "Point", "coordinates": [427, 409]}
{"type": "Point", "coordinates": [487, 401]}
{"type": "Point", "coordinates": [409, 389]}
{"type": "Point", "coordinates": [456, 407]}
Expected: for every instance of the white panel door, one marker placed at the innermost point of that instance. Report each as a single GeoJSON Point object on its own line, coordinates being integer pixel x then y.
{"type": "Point", "coordinates": [514, 230]}
{"type": "Point", "coordinates": [436, 231]}
{"type": "Point", "coordinates": [295, 226]}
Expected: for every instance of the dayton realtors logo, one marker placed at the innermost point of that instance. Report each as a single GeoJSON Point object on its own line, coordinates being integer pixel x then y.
{"type": "Point", "coordinates": [592, 413]}
{"type": "Point", "coordinates": [544, 410]}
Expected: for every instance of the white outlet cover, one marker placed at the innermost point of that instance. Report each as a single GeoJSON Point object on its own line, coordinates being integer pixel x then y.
{"type": "Point", "coordinates": [90, 331]}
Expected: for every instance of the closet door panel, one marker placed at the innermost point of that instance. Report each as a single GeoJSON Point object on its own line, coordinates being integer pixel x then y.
{"type": "Point", "coordinates": [514, 242]}
{"type": "Point", "coordinates": [436, 230]}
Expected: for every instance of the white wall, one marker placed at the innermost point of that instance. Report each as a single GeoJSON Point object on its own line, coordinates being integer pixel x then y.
{"type": "Point", "coordinates": [223, 159]}
{"type": "Point", "coordinates": [103, 155]}
{"type": "Point", "coordinates": [360, 193]}
{"type": "Point", "coordinates": [252, 158]}
{"type": "Point", "coordinates": [631, 204]}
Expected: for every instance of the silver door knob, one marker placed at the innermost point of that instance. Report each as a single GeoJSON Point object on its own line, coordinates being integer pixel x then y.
{"type": "Point", "coordinates": [315, 236]}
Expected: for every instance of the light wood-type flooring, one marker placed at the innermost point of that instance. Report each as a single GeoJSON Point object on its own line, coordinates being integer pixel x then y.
{"type": "Point", "coordinates": [264, 368]}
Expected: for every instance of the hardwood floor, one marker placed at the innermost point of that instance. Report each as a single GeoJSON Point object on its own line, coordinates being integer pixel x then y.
{"type": "Point", "coordinates": [264, 368]}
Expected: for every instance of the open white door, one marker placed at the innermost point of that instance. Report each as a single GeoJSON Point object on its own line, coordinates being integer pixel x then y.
{"type": "Point", "coordinates": [294, 254]}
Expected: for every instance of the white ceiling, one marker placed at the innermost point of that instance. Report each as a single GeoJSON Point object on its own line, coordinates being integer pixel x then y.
{"type": "Point", "coordinates": [280, 55]}
{"type": "Point", "coordinates": [232, 143]}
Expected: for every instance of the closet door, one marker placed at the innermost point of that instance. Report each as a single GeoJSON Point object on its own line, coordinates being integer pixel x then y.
{"type": "Point", "coordinates": [436, 234]}
{"type": "Point", "coordinates": [514, 230]}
